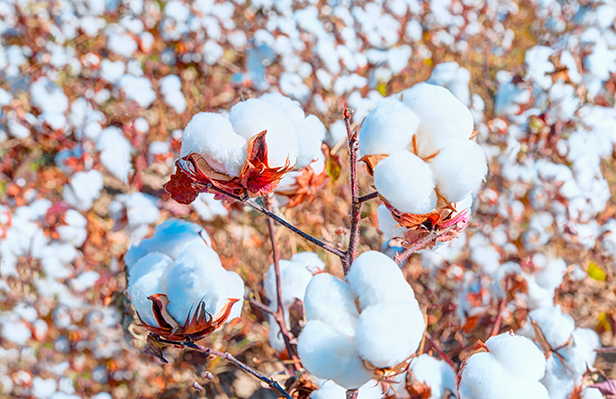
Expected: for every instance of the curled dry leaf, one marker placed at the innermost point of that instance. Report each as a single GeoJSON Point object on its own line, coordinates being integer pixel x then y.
{"type": "Point", "coordinates": [194, 175]}
{"type": "Point", "coordinates": [306, 186]}
{"type": "Point", "coordinates": [195, 327]}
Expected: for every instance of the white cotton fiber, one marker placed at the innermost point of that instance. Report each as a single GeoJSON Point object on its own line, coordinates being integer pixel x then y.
{"type": "Point", "coordinates": [310, 260]}
{"type": "Point", "coordinates": [146, 281]}
{"type": "Point", "coordinates": [375, 278]}
{"type": "Point", "coordinates": [442, 116]}
{"type": "Point", "coordinates": [236, 291]}
{"type": "Point", "coordinates": [459, 169]}
{"type": "Point", "coordinates": [196, 276]}
{"type": "Point", "coordinates": [555, 326]}
{"type": "Point", "coordinates": [519, 354]}
{"type": "Point", "coordinates": [85, 187]}
{"type": "Point", "coordinates": [388, 225]}
{"type": "Point", "coordinates": [115, 152]}
{"type": "Point", "coordinates": [310, 135]}
{"type": "Point", "coordinates": [437, 374]}
{"type": "Point", "coordinates": [406, 182]}
{"type": "Point", "coordinates": [170, 238]}
{"type": "Point", "coordinates": [328, 354]}
{"type": "Point", "coordinates": [294, 278]}
{"type": "Point", "coordinates": [331, 301]}
{"type": "Point", "coordinates": [330, 390]}
{"type": "Point", "coordinates": [291, 107]}
{"type": "Point", "coordinates": [388, 128]}
{"type": "Point", "coordinates": [212, 136]}
{"type": "Point", "coordinates": [253, 116]}
{"type": "Point", "coordinates": [383, 342]}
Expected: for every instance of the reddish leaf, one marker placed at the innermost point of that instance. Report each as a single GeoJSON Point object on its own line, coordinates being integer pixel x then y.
{"type": "Point", "coordinates": [180, 187]}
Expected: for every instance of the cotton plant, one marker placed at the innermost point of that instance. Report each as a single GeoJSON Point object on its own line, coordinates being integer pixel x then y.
{"type": "Point", "coordinates": [427, 377]}
{"type": "Point", "coordinates": [369, 324]}
{"type": "Point", "coordinates": [408, 133]}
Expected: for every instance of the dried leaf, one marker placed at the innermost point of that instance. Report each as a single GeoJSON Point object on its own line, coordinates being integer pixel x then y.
{"type": "Point", "coordinates": [333, 167]}
{"type": "Point", "coordinates": [155, 348]}
{"type": "Point", "coordinates": [595, 272]}
{"type": "Point", "coordinates": [371, 161]}
{"type": "Point", "coordinates": [180, 187]}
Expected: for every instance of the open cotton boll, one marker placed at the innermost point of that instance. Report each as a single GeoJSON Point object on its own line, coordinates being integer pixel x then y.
{"type": "Point", "coordinates": [331, 301]}
{"type": "Point", "coordinates": [406, 182]}
{"type": "Point", "coordinates": [310, 260]}
{"type": "Point", "coordinates": [388, 225]}
{"type": "Point", "coordinates": [149, 263]}
{"type": "Point", "coordinates": [236, 291]}
{"type": "Point", "coordinates": [388, 128]}
{"type": "Point", "coordinates": [291, 107]}
{"type": "Point", "coordinates": [170, 238]}
{"type": "Point", "coordinates": [459, 169]}
{"type": "Point", "coordinates": [437, 374]}
{"type": "Point", "coordinates": [294, 278]}
{"type": "Point", "coordinates": [442, 116]}
{"type": "Point", "coordinates": [85, 187]}
{"type": "Point", "coordinates": [376, 278]}
{"type": "Point", "coordinates": [196, 276]}
{"type": "Point", "coordinates": [212, 136]}
{"type": "Point", "coordinates": [115, 152]}
{"type": "Point", "coordinates": [310, 135]}
{"type": "Point", "coordinates": [253, 116]}
{"type": "Point", "coordinates": [146, 280]}
{"type": "Point", "coordinates": [384, 343]}
{"type": "Point", "coordinates": [520, 354]}
{"type": "Point", "coordinates": [330, 390]}
{"type": "Point", "coordinates": [555, 326]}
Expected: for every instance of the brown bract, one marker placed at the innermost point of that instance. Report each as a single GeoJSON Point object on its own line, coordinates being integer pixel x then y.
{"type": "Point", "coordinates": [307, 183]}
{"type": "Point", "coordinates": [194, 175]}
{"type": "Point", "coordinates": [197, 325]}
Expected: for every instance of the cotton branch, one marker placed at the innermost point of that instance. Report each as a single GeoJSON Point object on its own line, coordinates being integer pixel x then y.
{"type": "Point", "coordinates": [353, 141]}
{"type": "Point", "coordinates": [421, 244]}
{"type": "Point", "coordinates": [279, 313]}
{"type": "Point", "coordinates": [231, 359]}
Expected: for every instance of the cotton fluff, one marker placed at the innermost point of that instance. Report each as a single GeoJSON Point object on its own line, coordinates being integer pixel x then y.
{"type": "Point", "coordinates": [406, 182]}
{"type": "Point", "coordinates": [195, 276]}
{"type": "Point", "coordinates": [437, 374]}
{"type": "Point", "coordinates": [295, 274]}
{"type": "Point", "coordinates": [372, 317]}
{"type": "Point", "coordinates": [511, 368]}
{"type": "Point", "coordinates": [115, 152]}
{"type": "Point", "coordinates": [330, 390]}
{"type": "Point", "coordinates": [388, 128]}
{"type": "Point", "coordinates": [84, 188]}
{"type": "Point", "coordinates": [459, 168]}
{"type": "Point", "coordinates": [442, 116]}
{"type": "Point", "coordinates": [170, 238]}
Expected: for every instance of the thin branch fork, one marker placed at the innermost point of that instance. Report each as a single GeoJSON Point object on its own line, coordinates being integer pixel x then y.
{"type": "Point", "coordinates": [231, 359]}
{"type": "Point", "coordinates": [279, 313]}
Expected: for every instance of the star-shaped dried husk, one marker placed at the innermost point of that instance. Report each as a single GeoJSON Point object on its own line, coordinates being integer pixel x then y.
{"type": "Point", "coordinates": [194, 174]}
{"type": "Point", "coordinates": [197, 325]}
{"type": "Point", "coordinates": [306, 186]}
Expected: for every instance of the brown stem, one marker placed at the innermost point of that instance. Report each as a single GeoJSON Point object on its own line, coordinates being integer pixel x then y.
{"type": "Point", "coordinates": [353, 141]}
{"type": "Point", "coordinates": [231, 359]}
{"type": "Point", "coordinates": [501, 309]}
{"type": "Point", "coordinates": [367, 197]}
{"type": "Point", "coordinates": [294, 229]}
{"type": "Point", "coordinates": [438, 349]}
{"type": "Point", "coordinates": [352, 393]}
{"type": "Point", "coordinates": [421, 244]}
{"type": "Point", "coordinates": [279, 313]}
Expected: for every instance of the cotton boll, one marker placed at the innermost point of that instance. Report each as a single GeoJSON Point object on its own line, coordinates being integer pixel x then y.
{"type": "Point", "coordinates": [236, 291]}
{"type": "Point", "coordinates": [84, 188]}
{"type": "Point", "coordinates": [406, 182]}
{"type": "Point", "coordinates": [388, 225]}
{"type": "Point", "coordinates": [520, 354]}
{"type": "Point", "coordinates": [383, 343]}
{"type": "Point", "coordinates": [331, 301]}
{"type": "Point", "coordinates": [355, 374]}
{"type": "Point", "coordinates": [330, 390]}
{"type": "Point", "coordinates": [442, 116]}
{"type": "Point", "coordinates": [170, 238]}
{"type": "Point", "coordinates": [149, 263]}
{"type": "Point", "coordinates": [328, 354]}
{"type": "Point", "coordinates": [310, 260]}
{"type": "Point", "coordinates": [437, 374]}
{"type": "Point", "coordinates": [459, 169]}
{"type": "Point", "coordinates": [310, 135]}
{"type": "Point", "coordinates": [375, 278]}
{"type": "Point", "coordinates": [388, 128]}
{"type": "Point", "coordinates": [197, 276]}
{"type": "Point", "coordinates": [212, 136]}
{"type": "Point", "coordinates": [148, 280]}
{"type": "Point", "coordinates": [555, 326]}
{"type": "Point", "coordinates": [291, 107]}
{"type": "Point", "coordinates": [253, 116]}
{"type": "Point", "coordinates": [484, 376]}
{"type": "Point", "coordinates": [294, 278]}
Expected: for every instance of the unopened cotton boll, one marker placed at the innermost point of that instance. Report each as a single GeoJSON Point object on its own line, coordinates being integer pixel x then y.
{"type": "Point", "coordinates": [376, 278]}
{"type": "Point", "coordinates": [459, 169]}
{"type": "Point", "coordinates": [212, 136]}
{"type": "Point", "coordinates": [388, 128]}
{"type": "Point", "coordinates": [442, 116]}
{"type": "Point", "coordinates": [253, 116]}
{"type": "Point", "coordinates": [197, 276]}
{"type": "Point", "coordinates": [407, 182]}
{"type": "Point", "coordinates": [384, 343]}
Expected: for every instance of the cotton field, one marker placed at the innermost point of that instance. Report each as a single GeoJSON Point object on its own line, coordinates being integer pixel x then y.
{"type": "Point", "coordinates": [408, 199]}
